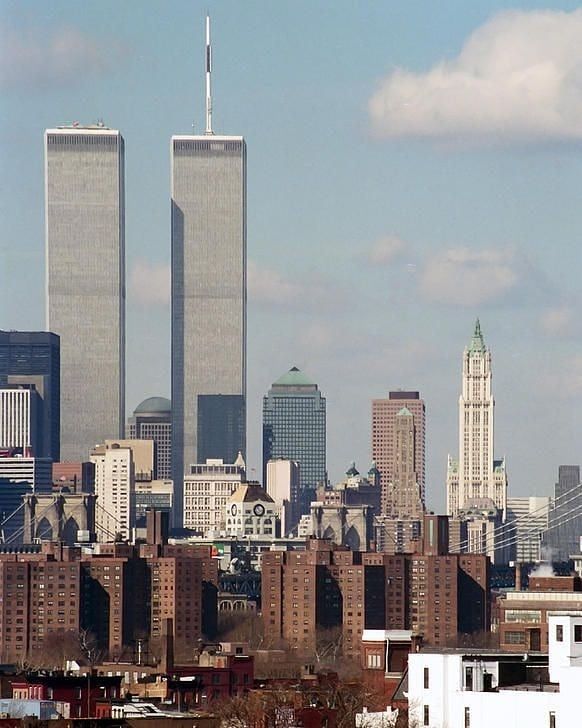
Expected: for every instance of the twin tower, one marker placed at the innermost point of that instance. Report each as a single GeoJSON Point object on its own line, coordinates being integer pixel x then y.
{"type": "Point", "coordinates": [85, 249]}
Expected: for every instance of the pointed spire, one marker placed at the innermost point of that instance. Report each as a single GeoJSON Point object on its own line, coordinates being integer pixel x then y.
{"type": "Point", "coordinates": [477, 342]}
{"type": "Point", "coordinates": [208, 76]}
{"type": "Point", "coordinates": [240, 461]}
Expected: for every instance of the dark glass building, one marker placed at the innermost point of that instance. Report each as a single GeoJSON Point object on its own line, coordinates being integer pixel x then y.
{"type": "Point", "coordinates": [294, 427]}
{"type": "Point", "coordinates": [33, 358]}
{"type": "Point", "coordinates": [221, 426]}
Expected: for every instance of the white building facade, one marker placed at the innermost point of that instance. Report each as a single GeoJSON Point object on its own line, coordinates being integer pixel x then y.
{"type": "Point", "coordinates": [115, 491]}
{"type": "Point", "coordinates": [251, 511]}
{"type": "Point", "coordinates": [18, 418]}
{"type": "Point", "coordinates": [283, 482]}
{"type": "Point", "coordinates": [530, 517]}
{"type": "Point", "coordinates": [473, 689]}
{"type": "Point", "coordinates": [35, 471]}
{"type": "Point", "coordinates": [476, 478]}
{"type": "Point", "coordinates": [207, 488]}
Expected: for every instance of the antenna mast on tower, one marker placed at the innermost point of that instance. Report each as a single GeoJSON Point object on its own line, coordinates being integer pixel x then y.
{"type": "Point", "coordinates": [208, 72]}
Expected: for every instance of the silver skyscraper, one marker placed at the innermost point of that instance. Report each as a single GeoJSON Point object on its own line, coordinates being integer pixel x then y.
{"type": "Point", "coordinates": [85, 248]}
{"type": "Point", "coordinates": [208, 297]}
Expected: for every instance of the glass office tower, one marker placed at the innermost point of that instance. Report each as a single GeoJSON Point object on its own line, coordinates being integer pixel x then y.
{"type": "Point", "coordinates": [294, 428]}
{"type": "Point", "coordinates": [32, 358]}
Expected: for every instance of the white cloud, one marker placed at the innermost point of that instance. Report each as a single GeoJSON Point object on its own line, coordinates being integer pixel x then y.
{"type": "Point", "coordinates": [517, 77]}
{"type": "Point", "coordinates": [560, 322]}
{"type": "Point", "coordinates": [308, 293]}
{"type": "Point", "coordinates": [468, 277]}
{"type": "Point", "coordinates": [385, 250]}
{"type": "Point", "coordinates": [36, 57]}
{"type": "Point", "coordinates": [150, 283]}
{"type": "Point", "coordinates": [574, 375]}
{"type": "Point", "coordinates": [268, 286]}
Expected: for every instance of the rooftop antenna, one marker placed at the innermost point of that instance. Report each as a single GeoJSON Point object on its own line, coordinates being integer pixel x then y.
{"type": "Point", "coordinates": [208, 72]}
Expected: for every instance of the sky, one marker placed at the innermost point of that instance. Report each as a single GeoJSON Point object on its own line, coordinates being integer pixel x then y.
{"type": "Point", "coordinates": [411, 166]}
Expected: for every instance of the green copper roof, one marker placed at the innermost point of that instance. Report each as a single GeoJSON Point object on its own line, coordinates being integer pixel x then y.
{"type": "Point", "coordinates": [373, 469]}
{"type": "Point", "coordinates": [294, 378]}
{"type": "Point", "coordinates": [404, 412]}
{"type": "Point", "coordinates": [477, 343]}
{"type": "Point", "coordinates": [153, 405]}
{"type": "Point", "coordinates": [352, 471]}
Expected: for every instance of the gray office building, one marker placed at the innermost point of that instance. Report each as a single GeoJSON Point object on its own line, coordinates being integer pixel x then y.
{"type": "Point", "coordinates": [152, 420]}
{"type": "Point", "coordinates": [294, 428]}
{"type": "Point", "coordinates": [31, 359]}
{"type": "Point", "coordinates": [562, 538]}
{"type": "Point", "coordinates": [85, 246]}
{"type": "Point", "coordinates": [208, 302]}
{"type": "Point", "coordinates": [209, 296]}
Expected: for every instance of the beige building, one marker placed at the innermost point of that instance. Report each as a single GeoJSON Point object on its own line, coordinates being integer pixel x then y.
{"type": "Point", "coordinates": [251, 511]}
{"type": "Point", "coordinates": [283, 482]}
{"type": "Point", "coordinates": [207, 488]}
{"type": "Point", "coordinates": [119, 466]}
{"type": "Point", "coordinates": [115, 491]}
{"type": "Point", "coordinates": [143, 456]}
{"type": "Point", "coordinates": [385, 418]}
{"type": "Point", "coordinates": [476, 480]}
{"type": "Point", "coordinates": [402, 495]}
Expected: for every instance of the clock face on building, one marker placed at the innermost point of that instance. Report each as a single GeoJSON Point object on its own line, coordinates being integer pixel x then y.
{"type": "Point", "coordinates": [233, 509]}
{"type": "Point", "coordinates": [259, 509]}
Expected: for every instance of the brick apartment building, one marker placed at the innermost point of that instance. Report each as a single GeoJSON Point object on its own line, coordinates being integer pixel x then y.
{"type": "Point", "coordinates": [85, 696]}
{"type": "Point", "coordinates": [111, 607]}
{"type": "Point", "coordinates": [116, 594]}
{"type": "Point", "coordinates": [216, 676]}
{"type": "Point", "coordinates": [38, 595]}
{"type": "Point", "coordinates": [308, 596]}
{"type": "Point", "coordinates": [523, 615]}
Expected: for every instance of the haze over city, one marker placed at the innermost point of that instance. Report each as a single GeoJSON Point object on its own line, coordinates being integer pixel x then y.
{"type": "Point", "coordinates": [383, 217]}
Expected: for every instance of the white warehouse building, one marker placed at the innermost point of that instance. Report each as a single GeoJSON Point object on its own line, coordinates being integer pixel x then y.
{"type": "Point", "coordinates": [469, 688]}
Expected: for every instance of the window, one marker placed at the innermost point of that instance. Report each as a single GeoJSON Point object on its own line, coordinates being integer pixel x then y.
{"type": "Point", "coordinates": [552, 717]}
{"type": "Point", "coordinates": [374, 661]}
{"type": "Point", "coordinates": [523, 615]}
{"type": "Point", "coordinates": [578, 633]}
{"type": "Point", "coordinates": [515, 638]}
{"type": "Point", "coordinates": [468, 678]}
{"type": "Point", "coordinates": [467, 717]}
{"type": "Point", "coordinates": [426, 682]}
{"type": "Point", "coordinates": [559, 633]}
{"type": "Point", "coordinates": [426, 715]}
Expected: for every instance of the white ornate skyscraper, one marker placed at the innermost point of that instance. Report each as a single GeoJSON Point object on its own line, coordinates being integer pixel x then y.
{"type": "Point", "coordinates": [477, 483]}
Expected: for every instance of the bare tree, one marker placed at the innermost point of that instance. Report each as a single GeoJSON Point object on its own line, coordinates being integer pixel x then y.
{"type": "Point", "coordinates": [271, 708]}
{"type": "Point", "coordinates": [328, 644]}
{"type": "Point", "coordinates": [56, 650]}
{"type": "Point", "coordinates": [90, 647]}
{"type": "Point", "coordinates": [244, 712]}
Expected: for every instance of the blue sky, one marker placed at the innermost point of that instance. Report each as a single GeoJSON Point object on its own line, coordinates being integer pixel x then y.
{"type": "Point", "coordinates": [410, 166]}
